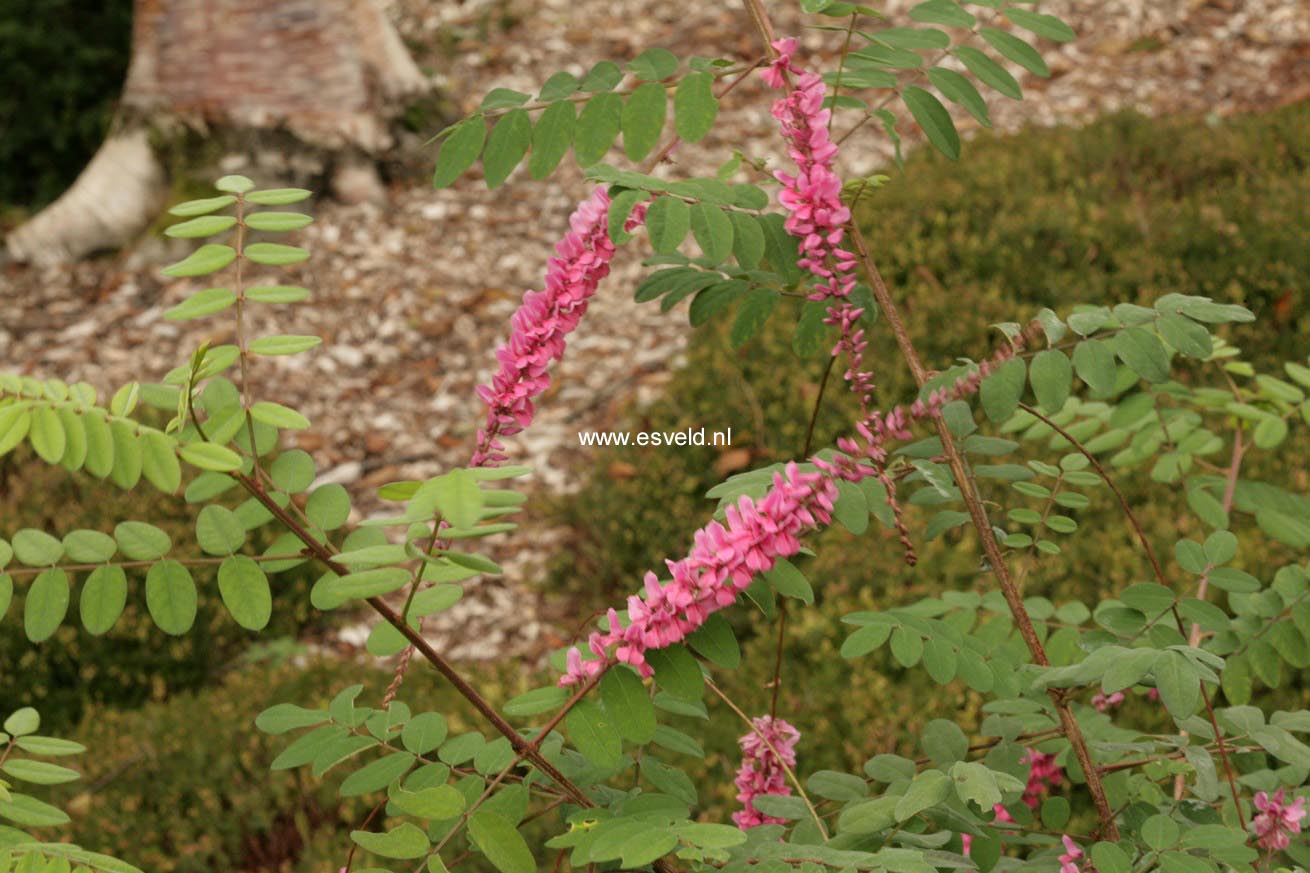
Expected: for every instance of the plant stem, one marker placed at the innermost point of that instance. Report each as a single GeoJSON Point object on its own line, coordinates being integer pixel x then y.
{"type": "Point", "coordinates": [992, 550]}
{"type": "Point", "coordinates": [1160, 578]}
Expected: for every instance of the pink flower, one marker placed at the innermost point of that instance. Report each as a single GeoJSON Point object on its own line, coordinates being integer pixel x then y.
{"type": "Point", "coordinates": [1104, 702]}
{"type": "Point", "coordinates": [724, 559]}
{"type": "Point", "coordinates": [543, 321]}
{"type": "Point", "coordinates": [1072, 855]}
{"type": "Point", "coordinates": [1044, 775]}
{"type": "Point", "coordinates": [762, 770]}
{"type": "Point", "coordinates": [816, 214]}
{"type": "Point", "coordinates": [1277, 820]}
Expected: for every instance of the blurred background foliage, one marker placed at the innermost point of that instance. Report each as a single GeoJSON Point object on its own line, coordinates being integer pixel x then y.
{"type": "Point", "coordinates": [64, 63]}
{"type": "Point", "coordinates": [1126, 209]}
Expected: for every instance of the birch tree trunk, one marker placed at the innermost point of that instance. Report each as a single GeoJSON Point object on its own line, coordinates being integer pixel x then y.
{"type": "Point", "coordinates": [329, 73]}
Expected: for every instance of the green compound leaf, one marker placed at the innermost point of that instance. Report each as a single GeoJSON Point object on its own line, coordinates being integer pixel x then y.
{"type": "Point", "coordinates": [377, 775]}
{"type": "Point", "coordinates": [713, 231]}
{"type": "Point", "coordinates": [677, 672]}
{"type": "Point", "coordinates": [89, 546]}
{"type": "Point", "coordinates": [206, 225]}
{"type": "Point", "coordinates": [936, 122]}
{"type": "Point", "coordinates": [551, 138]}
{"type": "Point", "coordinates": [275, 254]}
{"type": "Point", "coordinates": [278, 196]}
{"type": "Point", "coordinates": [1001, 391]}
{"type": "Point", "coordinates": [1143, 352]}
{"type": "Point", "coordinates": [285, 344]}
{"type": "Point", "coordinates": [219, 531]}
{"type": "Point", "coordinates": [593, 733]}
{"type": "Point", "coordinates": [209, 456]}
{"type": "Point", "coordinates": [277, 415]}
{"type": "Point", "coordinates": [405, 842]}
{"type": "Point", "coordinates": [245, 592]}
{"type": "Point", "coordinates": [643, 119]}
{"type": "Point", "coordinates": [695, 107]}
{"type": "Point", "coordinates": [629, 704]}
{"type": "Point", "coordinates": [424, 732]}
{"type": "Point", "coordinates": [501, 842]}
{"type": "Point", "coordinates": [958, 89]}
{"type": "Point", "coordinates": [597, 128]}
{"type": "Point", "coordinates": [460, 150]}
{"type": "Point", "coordinates": [103, 596]}
{"type": "Point", "coordinates": [1014, 49]}
{"type": "Point", "coordinates": [1043, 25]}
{"type": "Point", "coordinates": [277, 222]}
{"type": "Point", "coordinates": [277, 294]}
{"type": "Point", "coordinates": [1051, 376]}
{"type": "Point", "coordinates": [1094, 363]}
{"type": "Point", "coordinates": [752, 315]}
{"type": "Point", "coordinates": [945, 12]}
{"type": "Point", "coordinates": [234, 184]}
{"type": "Point", "coordinates": [39, 772]}
{"type": "Point", "coordinates": [603, 76]}
{"type": "Point", "coordinates": [202, 207]}
{"type": "Point", "coordinates": [202, 303]}
{"type": "Point", "coordinates": [46, 605]}
{"type": "Point", "coordinates": [36, 548]}
{"type": "Point", "coordinates": [141, 541]}
{"type": "Point", "coordinates": [716, 642]}
{"type": "Point", "coordinates": [667, 221]}
{"type": "Point", "coordinates": [171, 597]}
{"type": "Point", "coordinates": [506, 146]}
{"type": "Point", "coordinates": [205, 260]}
{"type": "Point", "coordinates": [654, 64]}
{"type": "Point", "coordinates": [989, 72]}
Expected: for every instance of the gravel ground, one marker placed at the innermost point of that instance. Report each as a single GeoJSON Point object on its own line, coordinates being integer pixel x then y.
{"type": "Point", "coordinates": [413, 297]}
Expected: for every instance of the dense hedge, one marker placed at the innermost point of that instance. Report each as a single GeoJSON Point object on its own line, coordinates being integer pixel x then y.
{"type": "Point", "coordinates": [64, 64]}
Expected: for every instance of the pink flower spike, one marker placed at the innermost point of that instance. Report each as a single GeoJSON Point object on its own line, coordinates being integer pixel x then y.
{"type": "Point", "coordinates": [762, 770]}
{"type": "Point", "coordinates": [543, 321]}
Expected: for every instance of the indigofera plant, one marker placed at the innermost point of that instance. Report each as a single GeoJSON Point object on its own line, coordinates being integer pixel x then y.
{"type": "Point", "coordinates": [1203, 772]}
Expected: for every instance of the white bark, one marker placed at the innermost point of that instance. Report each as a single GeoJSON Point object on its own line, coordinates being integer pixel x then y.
{"type": "Point", "coordinates": [115, 197]}
{"type": "Point", "coordinates": [327, 71]}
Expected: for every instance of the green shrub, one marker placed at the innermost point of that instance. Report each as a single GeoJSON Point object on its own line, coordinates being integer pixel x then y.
{"type": "Point", "coordinates": [64, 62]}
{"type": "Point", "coordinates": [183, 785]}
{"type": "Point", "coordinates": [135, 661]}
{"type": "Point", "coordinates": [1125, 209]}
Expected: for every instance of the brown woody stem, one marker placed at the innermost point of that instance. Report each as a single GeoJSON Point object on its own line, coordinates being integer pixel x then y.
{"type": "Point", "coordinates": [978, 514]}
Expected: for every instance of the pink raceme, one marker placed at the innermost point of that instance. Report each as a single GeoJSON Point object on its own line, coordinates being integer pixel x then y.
{"type": "Point", "coordinates": [816, 214]}
{"type": "Point", "coordinates": [1277, 820]}
{"type": "Point", "coordinates": [762, 771]}
{"type": "Point", "coordinates": [724, 559]}
{"type": "Point", "coordinates": [543, 321]}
